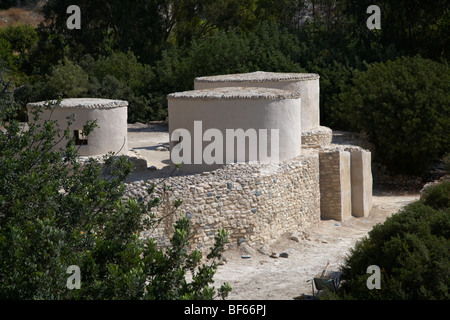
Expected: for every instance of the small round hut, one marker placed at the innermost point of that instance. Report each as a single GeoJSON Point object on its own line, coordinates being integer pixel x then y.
{"type": "Point", "coordinates": [110, 115]}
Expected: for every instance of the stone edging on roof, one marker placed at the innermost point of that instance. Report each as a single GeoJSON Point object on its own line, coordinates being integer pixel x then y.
{"type": "Point", "coordinates": [259, 76]}
{"type": "Point", "coordinates": [236, 93]}
{"type": "Point", "coordinates": [84, 103]}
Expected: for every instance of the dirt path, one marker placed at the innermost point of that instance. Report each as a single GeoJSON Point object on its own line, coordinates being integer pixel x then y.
{"type": "Point", "coordinates": [264, 278]}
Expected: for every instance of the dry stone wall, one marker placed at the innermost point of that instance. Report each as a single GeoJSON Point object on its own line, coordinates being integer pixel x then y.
{"type": "Point", "coordinates": [255, 203]}
{"type": "Point", "coordinates": [321, 136]}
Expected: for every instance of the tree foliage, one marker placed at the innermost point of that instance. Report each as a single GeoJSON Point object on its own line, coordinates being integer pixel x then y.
{"type": "Point", "coordinates": [414, 27]}
{"type": "Point", "coordinates": [117, 76]}
{"type": "Point", "coordinates": [403, 105]}
{"type": "Point", "coordinates": [21, 38]}
{"type": "Point", "coordinates": [437, 197]}
{"type": "Point", "coordinates": [165, 44]}
{"type": "Point", "coordinates": [67, 80]}
{"type": "Point", "coordinates": [412, 250]}
{"type": "Point", "coordinates": [16, 45]}
{"type": "Point", "coordinates": [55, 213]}
{"type": "Point", "coordinates": [265, 49]}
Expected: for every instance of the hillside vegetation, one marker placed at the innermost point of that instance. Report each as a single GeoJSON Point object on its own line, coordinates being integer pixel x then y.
{"type": "Point", "coordinates": [140, 51]}
{"type": "Point", "coordinates": [28, 14]}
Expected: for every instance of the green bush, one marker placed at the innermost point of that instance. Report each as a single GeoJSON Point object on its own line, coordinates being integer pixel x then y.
{"type": "Point", "coordinates": [403, 105]}
{"type": "Point", "coordinates": [54, 213]}
{"type": "Point", "coordinates": [117, 76]}
{"type": "Point", "coordinates": [121, 76]}
{"type": "Point", "coordinates": [335, 78]}
{"type": "Point", "coordinates": [22, 37]}
{"type": "Point", "coordinates": [412, 249]}
{"type": "Point", "coordinates": [6, 97]}
{"type": "Point", "coordinates": [6, 53]}
{"type": "Point", "coordinates": [266, 48]}
{"type": "Point", "coordinates": [16, 45]}
{"type": "Point", "coordinates": [444, 164]}
{"type": "Point", "coordinates": [437, 197]}
{"type": "Point", "coordinates": [67, 80]}
{"type": "Point", "coordinates": [124, 67]}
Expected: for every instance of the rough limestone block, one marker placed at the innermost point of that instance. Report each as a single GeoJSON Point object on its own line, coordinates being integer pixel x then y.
{"type": "Point", "coordinates": [361, 175]}
{"type": "Point", "coordinates": [335, 185]}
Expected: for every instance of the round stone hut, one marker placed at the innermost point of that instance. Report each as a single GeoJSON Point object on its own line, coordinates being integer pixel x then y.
{"type": "Point", "coordinates": [212, 127]}
{"type": "Point", "coordinates": [307, 84]}
{"type": "Point", "coordinates": [110, 135]}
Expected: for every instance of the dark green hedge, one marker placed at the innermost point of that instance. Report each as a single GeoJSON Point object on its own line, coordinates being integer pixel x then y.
{"type": "Point", "coordinates": [412, 249]}
{"type": "Point", "coordinates": [404, 106]}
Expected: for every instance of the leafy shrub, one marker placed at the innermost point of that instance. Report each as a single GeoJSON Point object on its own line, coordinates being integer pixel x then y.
{"type": "Point", "coordinates": [437, 197]}
{"type": "Point", "coordinates": [121, 76]}
{"type": "Point", "coordinates": [118, 76]}
{"type": "Point", "coordinates": [412, 250]}
{"type": "Point", "coordinates": [68, 80]}
{"type": "Point", "coordinates": [7, 96]}
{"type": "Point", "coordinates": [235, 51]}
{"type": "Point", "coordinates": [266, 48]}
{"type": "Point", "coordinates": [16, 44]}
{"type": "Point", "coordinates": [124, 67]}
{"type": "Point", "coordinates": [54, 213]}
{"type": "Point", "coordinates": [22, 37]}
{"type": "Point", "coordinates": [445, 163]}
{"type": "Point", "coordinates": [403, 105]}
{"type": "Point", "coordinates": [335, 78]}
{"type": "Point", "coordinates": [6, 53]}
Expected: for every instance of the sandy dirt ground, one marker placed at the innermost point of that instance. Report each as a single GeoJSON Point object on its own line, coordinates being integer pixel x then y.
{"type": "Point", "coordinates": [145, 140]}
{"type": "Point", "coordinates": [262, 277]}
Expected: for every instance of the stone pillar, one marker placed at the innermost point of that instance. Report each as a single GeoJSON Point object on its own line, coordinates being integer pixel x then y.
{"type": "Point", "coordinates": [335, 185]}
{"type": "Point", "coordinates": [361, 176]}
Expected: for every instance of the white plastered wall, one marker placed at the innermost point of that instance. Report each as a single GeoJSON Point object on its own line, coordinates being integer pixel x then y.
{"type": "Point", "coordinates": [223, 114]}
{"type": "Point", "coordinates": [109, 136]}
{"type": "Point", "coordinates": [308, 88]}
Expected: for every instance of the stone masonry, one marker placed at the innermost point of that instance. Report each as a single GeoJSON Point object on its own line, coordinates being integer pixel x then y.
{"type": "Point", "coordinates": [258, 202]}
{"type": "Point", "coordinates": [320, 136]}
{"type": "Point", "coordinates": [335, 185]}
{"type": "Point", "coordinates": [255, 203]}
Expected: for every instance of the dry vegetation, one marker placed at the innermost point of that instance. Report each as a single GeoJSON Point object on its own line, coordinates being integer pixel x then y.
{"type": "Point", "coordinates": [15, 16]}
